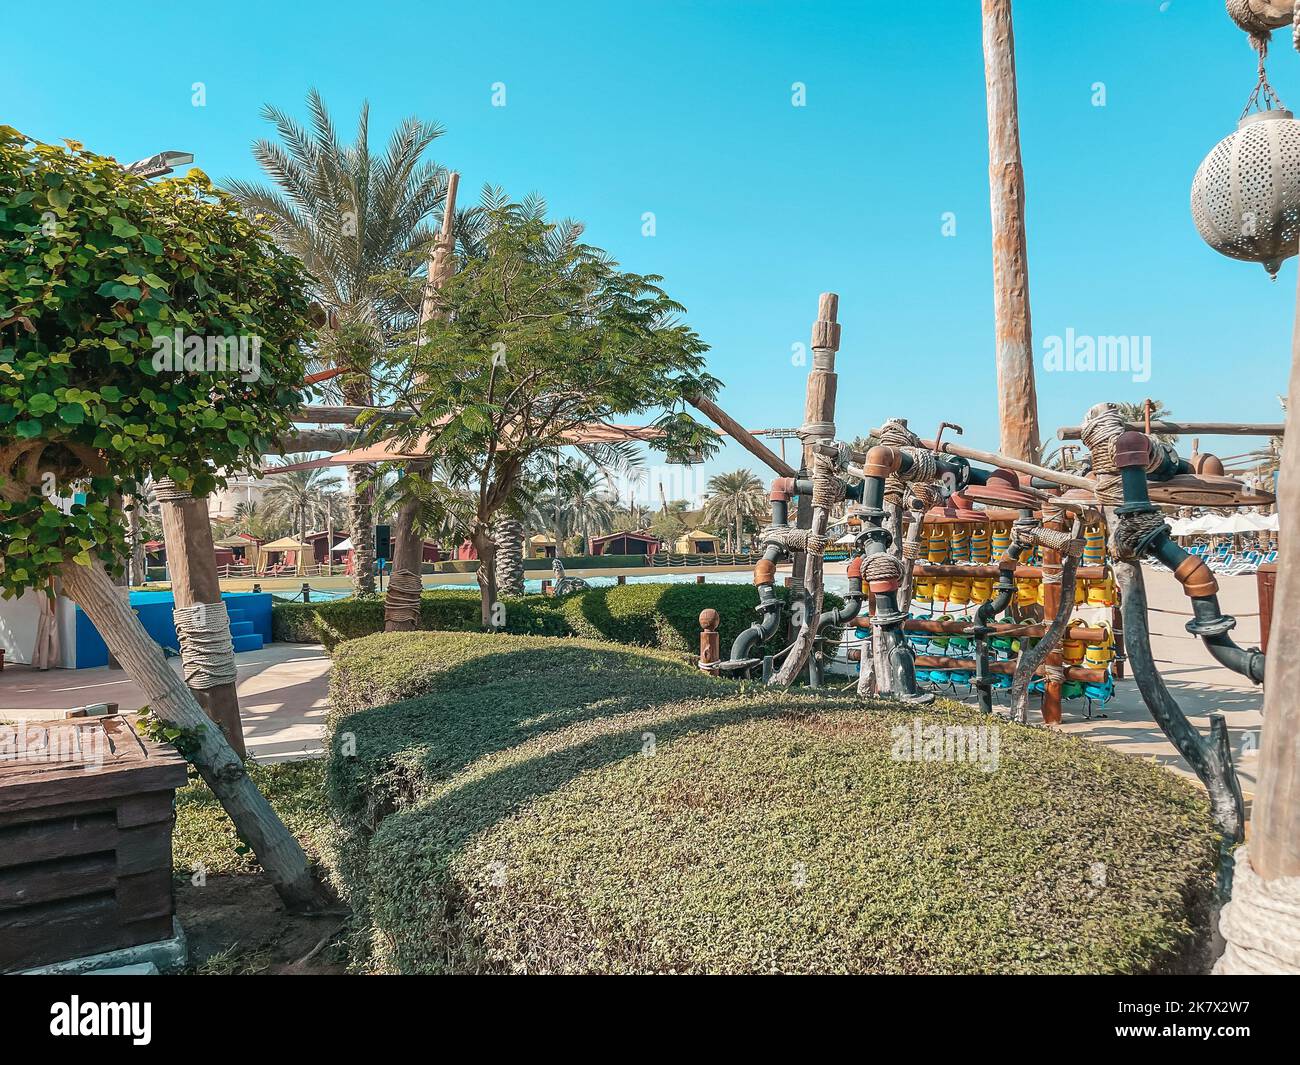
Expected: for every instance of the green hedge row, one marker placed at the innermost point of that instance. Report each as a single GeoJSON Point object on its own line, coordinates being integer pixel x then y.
{"type": "Point", "coordinates": [534, 805]}
{"type": "Point", "coordinates": [666, 616]}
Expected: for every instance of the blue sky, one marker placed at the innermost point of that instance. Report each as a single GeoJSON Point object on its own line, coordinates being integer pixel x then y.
{"type": "Point", "coordinates": [684, 110]}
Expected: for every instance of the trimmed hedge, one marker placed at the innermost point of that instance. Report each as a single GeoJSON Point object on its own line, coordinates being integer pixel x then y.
{"type": "Point", "coordinates": [664, 615]}
{"type": "Point", "coordinates": [332, 621]}
{"type": "Point", "coordinates": [548, 806]}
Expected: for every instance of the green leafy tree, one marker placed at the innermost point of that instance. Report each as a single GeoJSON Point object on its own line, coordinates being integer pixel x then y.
{"type": "Point", "coordinates": [534, 344]}
{"type": "Point", "coordinates": [103, 275]}
{"type": "Point", "coordinates": [352, 216]}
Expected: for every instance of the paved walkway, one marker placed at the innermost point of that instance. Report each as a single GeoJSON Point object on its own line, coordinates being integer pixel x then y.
{"type": "Point", "coordinates": [284, 689]}
{"type": "Point", "coordinates": [283, 696]}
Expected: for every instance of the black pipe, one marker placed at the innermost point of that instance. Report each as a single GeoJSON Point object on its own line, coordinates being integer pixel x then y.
{"type": "Point", "coordinates": [984, 613]}
{"type": "Point", "coordinates": [769, 607]}
{"type": "Point", "coordinates": [1209, 622]}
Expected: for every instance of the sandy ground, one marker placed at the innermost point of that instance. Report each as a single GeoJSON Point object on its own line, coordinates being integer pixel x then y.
{"type": "Point", "coordinates": [284, 688]}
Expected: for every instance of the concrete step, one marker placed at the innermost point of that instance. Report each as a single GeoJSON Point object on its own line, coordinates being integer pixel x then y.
{"type": "Point", "coordinates": [250, 641]}
{"type": "Point", "coordinates": [240, 628]}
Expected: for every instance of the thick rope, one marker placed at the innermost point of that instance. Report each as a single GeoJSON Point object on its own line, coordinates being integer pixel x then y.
{"type": "Point", "coordinates": [402, 603]}
{"type": "Point", "coordinates": [1259, 18]}
{"type": "Point", "coordinates": [1132, 530]}
{"type": "Point", "coordinates": [895, 434]}
{"type": "Point", "coordinates": [882, 567]}
{"type": "Point", "coordinates": [165, 490]}
{"type": "Point", "coordinates": [1102, 427]}
{"type": "Point", "coordinates": [1261, 923]}
{"type": "Point", "coordinates": [207, 653]}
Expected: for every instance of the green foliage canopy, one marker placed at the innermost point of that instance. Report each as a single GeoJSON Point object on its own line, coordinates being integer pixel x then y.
{"type": "Point", "coordinates": [537, 337]}
{"type": "Point", "coordinates": [97, 264]}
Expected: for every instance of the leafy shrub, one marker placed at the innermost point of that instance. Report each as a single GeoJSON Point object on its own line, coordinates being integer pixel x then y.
{"type": "Point", "coordinates": [664, 615]}
{"type": "Point", "coordinates": [446, 610]}
{"type": "Point", "coordinates": [568, 806]}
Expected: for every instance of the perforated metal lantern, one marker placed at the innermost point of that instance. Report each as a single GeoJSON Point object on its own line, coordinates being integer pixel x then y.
{"type": "Point", "coordinates": [1246, 193]}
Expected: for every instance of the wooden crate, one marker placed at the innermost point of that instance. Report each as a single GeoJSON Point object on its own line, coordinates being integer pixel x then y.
{"type": "Point", "coordinates": [85, 839]}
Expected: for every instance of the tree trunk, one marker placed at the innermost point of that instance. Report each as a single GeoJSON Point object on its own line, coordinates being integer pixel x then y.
{"type": "Point", "coordinates": [508, 536]}
{"type": "Point", "coordinates": [192, 559]}
{"type": "Point", "coordinates": [487, 578]}
{"type": "Point", "coordinates": [402, 602]}
{"type": "Point", "coordinates": [361, 513]}
{"type": "Point", "coordinates": [279, 853]}
{"type": "Point", "coordinates": [138, 565]}
{"type": "Point", "coordinates": [1017, 398]}
{"type": "Point", "coordinates": [408, 545]}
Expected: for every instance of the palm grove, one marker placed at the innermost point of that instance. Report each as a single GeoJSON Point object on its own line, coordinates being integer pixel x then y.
{"type": "Point", "coordinates": [530, 338]}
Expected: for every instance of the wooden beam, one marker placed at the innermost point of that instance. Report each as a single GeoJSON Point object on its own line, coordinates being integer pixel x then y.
{"type": "Point", "coordinates": [742, 436]}
{"type": "Point", "coordinates": [1017, 395]}
{"type": "Point", "coordinates": [1075, 432]}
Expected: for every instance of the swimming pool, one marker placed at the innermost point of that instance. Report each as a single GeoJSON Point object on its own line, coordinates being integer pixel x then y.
{"type": "Point", "coordinates": [836, 583]}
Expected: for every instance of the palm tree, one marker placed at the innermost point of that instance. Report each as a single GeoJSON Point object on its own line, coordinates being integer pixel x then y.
{"type": "Point", "coordinates": [731, 500]}
{"type": "Point", "coordinates": [297, 496]}
{"type": "Point", "coordinates": [351, 217]}
{"type": "Point", "coordinates": [582, 504]}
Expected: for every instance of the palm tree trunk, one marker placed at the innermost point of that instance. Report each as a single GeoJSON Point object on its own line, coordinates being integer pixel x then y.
{"type": "Point", "coordinates": [402, 602]}
{"type": "Point", "coordinates": [361, 511]}
{"type": "Point", "coordinates": [257, 824]}
{"type": "Point", "coordinates": [740, 529]}
{"type": "Point", "coordinates": [508, 535]}
{"type": "Point", "coordinates": [138, 575]}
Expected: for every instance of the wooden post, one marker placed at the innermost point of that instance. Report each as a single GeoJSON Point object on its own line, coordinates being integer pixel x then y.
{"type": "Point", "coordinates": [1017, 397]}
{"type": "Point", "coordinates": [192, 562]}
{"type": "Point", "coordinates": [818, 417]}
{"type": "Point", "coordinates": [1051, 566]}
{"type": "Point", "coordinates": [402, 604]}
{"type": "Point", "coordinates": [1275, 826]}
{"type": "Point", "coordinates": [709, 653]}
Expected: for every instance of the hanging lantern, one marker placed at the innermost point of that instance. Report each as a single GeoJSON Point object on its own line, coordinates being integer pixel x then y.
{"type": "Point", "coordinates": [1246, 193]}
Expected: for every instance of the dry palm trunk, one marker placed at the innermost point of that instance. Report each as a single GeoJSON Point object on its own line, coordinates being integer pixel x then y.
{"type": "Point", "coordinates": [508, 534]}
{"type": "Point", "coordinates": [360, 516]}
{"type": "Point", "coordinates": [402, 604]}
{"type": "Point", "coordinates": [169, 699]}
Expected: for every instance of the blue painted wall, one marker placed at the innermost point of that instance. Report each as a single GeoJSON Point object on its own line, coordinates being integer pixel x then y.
{"type": "Point", "coordinates": [155, 612]}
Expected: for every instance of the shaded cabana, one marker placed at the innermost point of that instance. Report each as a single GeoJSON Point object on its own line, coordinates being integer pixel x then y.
{"type": "Point", "coordinates": [697, 542]}
{"type": "Point", "coordinates": [625, 543]}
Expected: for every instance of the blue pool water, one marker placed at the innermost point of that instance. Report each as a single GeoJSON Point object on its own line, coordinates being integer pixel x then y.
{"type": "Point", "coordinates": [834, 583]}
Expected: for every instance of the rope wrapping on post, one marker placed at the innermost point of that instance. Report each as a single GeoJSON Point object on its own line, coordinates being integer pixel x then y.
{"type": "Point", "coordinates": [404, 589]}
{"type": "Point", "coordinates": [1261, 924]}
{"type": "Point", "coordinates": [895, 433]}
{"type": "Point", "coordinates": [207, 652]}
{"type": "Point", "coordinates": [165, 490]}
